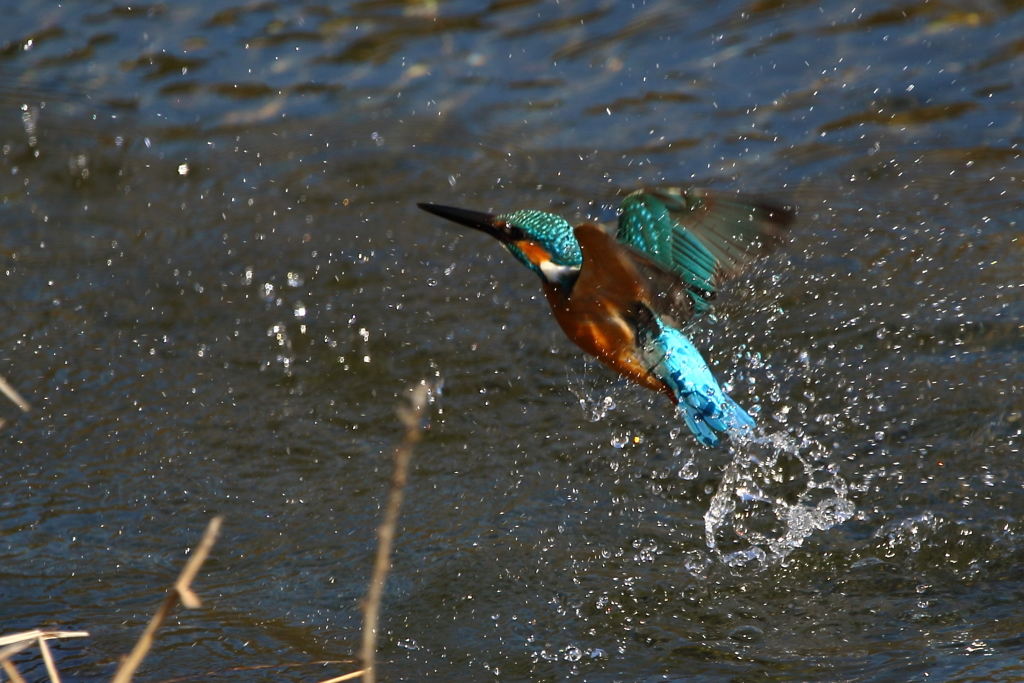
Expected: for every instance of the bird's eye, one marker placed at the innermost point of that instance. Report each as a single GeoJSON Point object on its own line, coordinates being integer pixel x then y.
{"type": "Point", "coordinates": [515, 233]}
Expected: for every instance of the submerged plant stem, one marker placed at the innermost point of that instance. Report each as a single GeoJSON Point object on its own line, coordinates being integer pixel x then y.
{"type": "Point", "coordinates": [410, 417]}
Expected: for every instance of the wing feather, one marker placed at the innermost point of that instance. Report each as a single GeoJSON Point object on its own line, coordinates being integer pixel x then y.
{"type": "Point", "coordinates": [618, 271]}
{"type": "Point", "coordinates": [703, 237]}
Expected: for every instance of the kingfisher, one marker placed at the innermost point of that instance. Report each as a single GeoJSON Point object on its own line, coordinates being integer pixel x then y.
{"type": "Point", "coordinates": [623, 295]}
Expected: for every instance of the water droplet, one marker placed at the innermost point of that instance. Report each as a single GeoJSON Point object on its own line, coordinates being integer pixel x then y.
{"type": "Point", "coordinates": [696, 563]}
{"type": "Point", "coordinates": [620, 440]}
{"type": "Point", "coordinates": [295, 280]}
{"type": "Point", "coordinates": [689, 471]}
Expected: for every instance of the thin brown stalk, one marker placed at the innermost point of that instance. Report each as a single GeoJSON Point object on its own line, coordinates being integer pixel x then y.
{"type": "Point", "coordinates": [51, 668]}
{"type": "Point", "coordinates": [11, 650]}
{"type": "Point", "coordinates": [12, 393]}
{"type": "Point", "coordinates": [346, 677]}
{"type": "Point", "coordinates": [11, 672]}
{"type": "Point", "coordinates": [29, 637]}
{"type": "Point", "coordinates": [14, 643]}
{"type": "Point", "coordinates": [180, 592]}
{"type": "Point", "coordinates": [386, 534]}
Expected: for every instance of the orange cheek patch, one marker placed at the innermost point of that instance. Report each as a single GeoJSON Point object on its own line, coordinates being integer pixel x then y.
{"type": "Point", "coordinates": [533, 251]}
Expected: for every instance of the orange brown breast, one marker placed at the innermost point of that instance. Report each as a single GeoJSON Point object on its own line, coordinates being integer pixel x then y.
{"type": "Point", "coordinates": [598, 313]}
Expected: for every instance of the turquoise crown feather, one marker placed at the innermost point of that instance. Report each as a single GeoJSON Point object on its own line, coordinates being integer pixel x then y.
{"type": "Point", "coordinates": [550, 231]}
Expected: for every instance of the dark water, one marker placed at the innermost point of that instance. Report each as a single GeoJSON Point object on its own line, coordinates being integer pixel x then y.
{"type": "Point", "coordinates": [215, 288]}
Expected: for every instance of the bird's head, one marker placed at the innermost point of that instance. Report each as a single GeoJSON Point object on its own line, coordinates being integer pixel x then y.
{"type": "Point", "coordinates": [542, 241]}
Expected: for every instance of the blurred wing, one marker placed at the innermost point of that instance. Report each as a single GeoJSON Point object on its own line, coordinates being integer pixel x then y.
{"type": "Point", "coordinates": [703, 237]}
{"type": "Point", "coordinates": [669, 296]}
{"type": "Point", "coordinates": [630, 278]}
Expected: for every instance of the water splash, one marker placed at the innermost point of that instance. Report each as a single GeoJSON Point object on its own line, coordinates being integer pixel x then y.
{"type": "Point", "coordinates": [774, 494]}
{"type": "Point", "coordinates": [596, 409]}
{"type": "Point", "coordinates": [906, 533]}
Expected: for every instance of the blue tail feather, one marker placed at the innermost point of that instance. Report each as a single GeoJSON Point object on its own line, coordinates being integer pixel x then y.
{"type": "Point", "coordinates": [704, 406]}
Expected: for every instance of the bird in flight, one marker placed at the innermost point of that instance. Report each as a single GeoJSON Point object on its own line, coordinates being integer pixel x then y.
{"type": "Point", "coordinates": [624, 296]}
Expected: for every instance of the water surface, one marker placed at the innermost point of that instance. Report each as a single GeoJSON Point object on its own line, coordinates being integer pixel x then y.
{"type": "Point", "coordinates": [216, 287]}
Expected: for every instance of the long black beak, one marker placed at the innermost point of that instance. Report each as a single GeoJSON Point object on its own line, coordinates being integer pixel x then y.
{"type": "Point", "coordinates": [484, 222]}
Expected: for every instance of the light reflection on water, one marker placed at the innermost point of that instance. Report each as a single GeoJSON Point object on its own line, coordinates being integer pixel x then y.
{"type": "Point", "coordinates": [216, 285]}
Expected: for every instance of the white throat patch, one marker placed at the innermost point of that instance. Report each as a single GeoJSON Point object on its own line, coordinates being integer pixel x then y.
{"type": "Point", "coordinates": [555, 273]}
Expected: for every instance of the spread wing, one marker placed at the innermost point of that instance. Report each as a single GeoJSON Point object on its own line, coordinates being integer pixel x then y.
{"type": "Point", "coordinates": [701, 236]}
{"type": "Point", "coordinates": [628, 278]}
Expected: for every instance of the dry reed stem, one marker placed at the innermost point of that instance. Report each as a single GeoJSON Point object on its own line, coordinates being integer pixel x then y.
{"type": "Point", "coordinates": [12, 650]}
{"type": "Point", "coordinates": [16, 642]}
{"type": "Point", "coordinates": [11, 672]}
{"type": "Point", "coordinates": [180, 592]}
{"type": "Point", "coordinates": [29, 637]}
{"type": "Point", "coordinates": [346, 677]}
{"type": "Point", "coordinates": [51, 668]}
{"type": "Point", "coordinates": [386, 533]}
{"type": "Point", "coordinates": [12, 393]}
